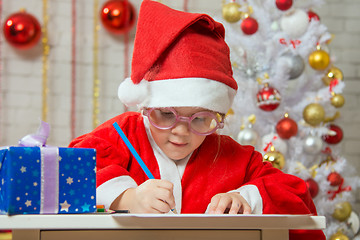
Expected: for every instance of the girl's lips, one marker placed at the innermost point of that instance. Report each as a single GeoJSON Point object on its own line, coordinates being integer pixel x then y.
{"type": "Point", "coordinates": [178, 144]}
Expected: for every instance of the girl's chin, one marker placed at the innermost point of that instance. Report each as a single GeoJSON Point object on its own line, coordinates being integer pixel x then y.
{"type": "Point", "coordinates": [176, 157]}
{"type": "Point", "coordinates": [176, 151]}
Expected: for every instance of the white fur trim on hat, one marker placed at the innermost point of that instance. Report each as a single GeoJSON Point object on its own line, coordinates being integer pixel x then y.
{"type": "Point", "coordinates": [133, 94]}
{"type": "Point", "coordinates": [180, 92]}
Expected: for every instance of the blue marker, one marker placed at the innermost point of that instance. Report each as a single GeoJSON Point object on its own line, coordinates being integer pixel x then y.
{"type": "Point", "coordinates": [133, 151]}
{"type": "Point", "coordinates": [135, 154]}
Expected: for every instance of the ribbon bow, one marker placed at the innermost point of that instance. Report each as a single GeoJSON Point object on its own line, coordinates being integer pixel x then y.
{"type": "Point", "coordinates": [269, 144]}
{"type": "Point", "coordinates": [339, 190]}
{"type": "Point", "coordinates": [327, 150]}
{"type": "Point", "coordinates": [38, 139]}
{"type": "Point", "coordinates": [333, 84]}
{"type": "Point", "coordinates": [49, 192]}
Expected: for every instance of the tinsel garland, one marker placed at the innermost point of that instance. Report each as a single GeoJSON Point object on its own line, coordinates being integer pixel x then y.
{"type": "Point", "coordinates": [96, 80]}
{"type": "Point", "coordinates": [45, 54]}
{"type": "Point", "coordinates": [73, 71]}
{"type": "Point", "coordinates": [186, 3]}
{"type": "Point", "coordinates": [126, 60]}
{"type": "Point", "coordinates": [1, 74]}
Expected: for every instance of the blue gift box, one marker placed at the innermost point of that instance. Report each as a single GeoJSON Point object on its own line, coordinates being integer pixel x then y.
{"type": "Point", "coordinates": [47, 180]}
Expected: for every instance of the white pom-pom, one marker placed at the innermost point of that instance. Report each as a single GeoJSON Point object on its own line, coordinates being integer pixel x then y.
{"type": "Point", "coordinates": [133, 94]}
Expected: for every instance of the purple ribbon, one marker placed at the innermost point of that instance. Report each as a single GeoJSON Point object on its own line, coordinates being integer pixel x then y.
{"type": "Point", "coordinates": [49, 194]}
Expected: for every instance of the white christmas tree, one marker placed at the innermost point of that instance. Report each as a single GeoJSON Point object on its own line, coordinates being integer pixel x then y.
{"type": "Point", "coordinates": [289, 99]}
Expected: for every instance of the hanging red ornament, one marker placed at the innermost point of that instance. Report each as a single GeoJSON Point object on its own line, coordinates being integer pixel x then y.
{"type": "Point", "coordinates": [22, 30]}
{"type": "Point", "coordinates": [335, 136]}
{"type": "Point", "coordinates": [284, 5]}
{"type": "Point", "coordinates": [313, 16]}
{"type": "Point", "coordinates": [249, 26]}
{"type": "Point", "coordinates": [268, 98]}
{"type": "Point", "coordinates": [118, 16]}
{"type": "Point", "coordinates": [313, 187]}
{"type": "Point", "coordinates": [335, 179]}
{"type": "Point", "coordinates": [286, 127]}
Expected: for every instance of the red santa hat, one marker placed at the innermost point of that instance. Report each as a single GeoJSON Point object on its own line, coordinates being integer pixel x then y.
{"type": "Point", "coordinates": [180, 59]}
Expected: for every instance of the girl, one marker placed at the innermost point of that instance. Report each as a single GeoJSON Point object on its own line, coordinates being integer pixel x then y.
{"type": "Point", "coordinates": [182, 81]}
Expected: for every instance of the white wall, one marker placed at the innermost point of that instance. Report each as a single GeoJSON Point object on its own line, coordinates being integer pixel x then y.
{"type": "Point", "coordinates": [21, 72]}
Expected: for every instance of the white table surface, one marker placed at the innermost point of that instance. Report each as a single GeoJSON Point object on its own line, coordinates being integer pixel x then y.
{"type": "Point", "coordinates": [161, 221]}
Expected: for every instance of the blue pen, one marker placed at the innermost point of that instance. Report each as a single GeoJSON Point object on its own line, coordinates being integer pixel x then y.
{"type": "Point", "coordinates": [135, 154]}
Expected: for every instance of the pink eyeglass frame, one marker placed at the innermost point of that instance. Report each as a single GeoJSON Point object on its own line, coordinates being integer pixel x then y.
{"type": "Point", "coordinates": [219, 124]}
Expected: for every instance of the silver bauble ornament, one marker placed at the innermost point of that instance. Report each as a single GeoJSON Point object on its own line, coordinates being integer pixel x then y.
{"type": "Point", "coordinates": [312, 145]}
{"type": "Point", "coordinates": [295, 63]}
{"type": "Point", "coordinates": [248, 136]}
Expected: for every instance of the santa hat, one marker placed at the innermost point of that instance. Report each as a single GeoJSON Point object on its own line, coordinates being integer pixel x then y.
{"type": "Point", "coordinates": [179, 60]}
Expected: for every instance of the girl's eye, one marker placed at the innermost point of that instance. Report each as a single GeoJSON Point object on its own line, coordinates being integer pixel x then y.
{"type": "Point", "coordinates": [199, 119]}
{"type": "Point", "coordinates": [167, 114]}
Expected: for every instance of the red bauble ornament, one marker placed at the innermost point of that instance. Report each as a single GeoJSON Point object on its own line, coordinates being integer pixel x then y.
{"type": "Point", "coordinates": [313, 187]}
{"type": "Point", "coordinates": [335, 179]}
{"type": "Point", "coordinates": [249, 25]}
{"type": "Point", "coordinates": [313, 16]}
{"type": "Point", "coordinates": [22, 30]}
{"type": "Point", "coordinates": [286, 128]}
{"type": "Point", "coordinates": [284, 5]}
{"type": "Point", "coordinates": [268, 98]}
{"type": "Point", "coordinates": [118, 16]}
{"type": "Point", "coordinates": [335, 136]}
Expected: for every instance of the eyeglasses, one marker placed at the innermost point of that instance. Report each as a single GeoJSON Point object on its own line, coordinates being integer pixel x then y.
{"type": "Point", "coordinates": [201, 123]}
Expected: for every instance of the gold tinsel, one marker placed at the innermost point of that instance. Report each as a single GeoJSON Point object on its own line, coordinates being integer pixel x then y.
{"type": "Point", "coordinates": [45, 55]}
{"type": "Point", "coordinates": [96, 80]}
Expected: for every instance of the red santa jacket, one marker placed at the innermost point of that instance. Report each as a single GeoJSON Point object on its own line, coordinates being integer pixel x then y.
{"type": "Point", "coordinates": [219, 165]}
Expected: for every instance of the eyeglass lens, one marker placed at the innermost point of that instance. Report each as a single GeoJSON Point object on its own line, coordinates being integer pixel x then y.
{"type": "Point", "coordinates": [201, 122]}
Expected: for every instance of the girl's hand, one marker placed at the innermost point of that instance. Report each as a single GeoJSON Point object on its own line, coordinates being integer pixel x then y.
{"type": "Point", "coordinates": [232, 203]}
{"type": "Point", "coordinates": [152, 196]}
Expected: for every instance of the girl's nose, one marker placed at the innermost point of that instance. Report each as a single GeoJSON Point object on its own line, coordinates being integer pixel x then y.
{"type": "Point", "coordinates": [181, 128]}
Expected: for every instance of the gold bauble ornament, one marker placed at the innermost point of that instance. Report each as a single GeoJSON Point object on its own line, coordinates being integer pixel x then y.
{"type": "Point", "coordinates": [314, 114]}
{"type": "Point", "coordinates": [337, 100]}
{"type": "Point", "coordinates": [319, 60]}
{"type": "Point", "coordinates": [332, 74]}
{"type": "Point", "coordinates": [275, 158]}
{"type": "Point", "coordinates": [339, 236]}
{"type": "Point", "coordinates": [342, 211]}
{"type": "Point", "coordinates": [231, 12]}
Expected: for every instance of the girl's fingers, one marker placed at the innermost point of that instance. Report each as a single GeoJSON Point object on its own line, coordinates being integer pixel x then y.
{"type": "Point", "coordinates": [162, 192]}
{"type": "Point", "coordinates": [160, 206]}
{"type": "Point", "coordinates": [166, 196]}
{"type": "Point", "coordinates": [246, 208]}
{"type": "Point", "coordinates": [224, 203]}
{"type": "Point", "coordinates": [232, 203]}
{"type": "Point", "coordinates": [235, 207]}
{"type": "Point", "coordinates": [214, 203]}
